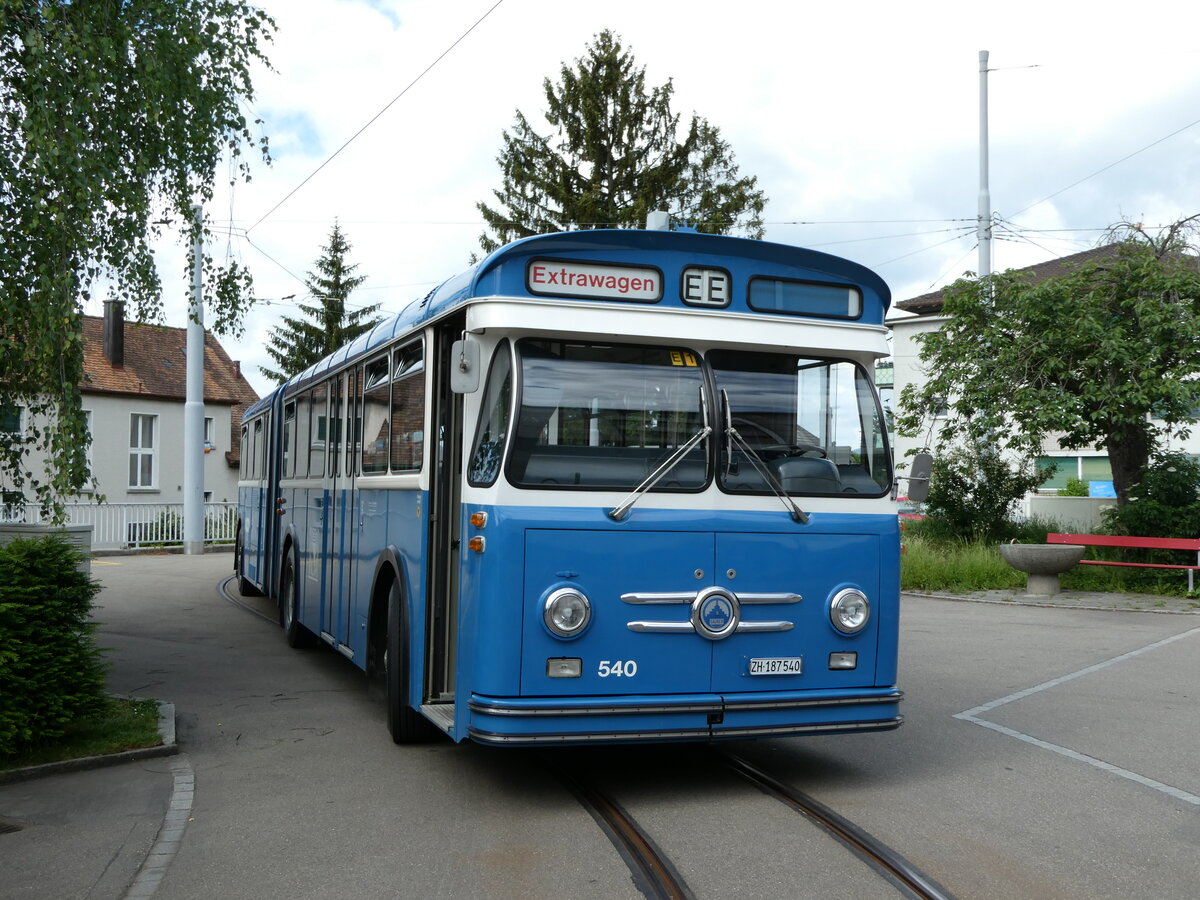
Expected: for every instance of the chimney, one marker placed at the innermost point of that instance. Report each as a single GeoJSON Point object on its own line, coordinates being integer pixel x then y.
{"type": "Point", "coordinates": [114, 332]}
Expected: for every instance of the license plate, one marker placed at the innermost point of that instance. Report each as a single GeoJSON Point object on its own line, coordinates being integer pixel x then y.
{"type": "Point", "coordinates": [779, 665]}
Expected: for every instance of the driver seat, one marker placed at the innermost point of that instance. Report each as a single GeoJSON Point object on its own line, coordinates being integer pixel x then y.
{"type": "Point", "coordinates": [807, 475]}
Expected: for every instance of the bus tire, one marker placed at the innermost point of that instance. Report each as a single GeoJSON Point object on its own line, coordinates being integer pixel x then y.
{"type": "Point", "coordinates": [294, 633]}
{"type": "Point", "coordinates": [406, 725]}
{"type": "Point", "coordinates": [245, 587]}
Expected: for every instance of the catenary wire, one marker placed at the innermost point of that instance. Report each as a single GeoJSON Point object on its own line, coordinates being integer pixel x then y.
{"type": "Point", "coordinates": [373, 119]}
{"type": "Point", "coordinates": [1109, 166]}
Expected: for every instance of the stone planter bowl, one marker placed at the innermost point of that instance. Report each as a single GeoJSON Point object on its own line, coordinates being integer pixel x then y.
{"type": "Point", "coordinates": [1043, 563]}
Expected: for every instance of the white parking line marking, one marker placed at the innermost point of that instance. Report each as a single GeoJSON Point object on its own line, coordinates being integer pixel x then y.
{"type": "Point", "coordinates": [972, 715]}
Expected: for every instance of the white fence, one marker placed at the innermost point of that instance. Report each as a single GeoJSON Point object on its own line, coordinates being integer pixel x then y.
{"type": "Point", "coordinates": [119, 526]}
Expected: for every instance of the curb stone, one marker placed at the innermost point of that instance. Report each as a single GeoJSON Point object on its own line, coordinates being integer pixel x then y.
{"type": "Point", "coordinates": [1079, 600]}
{"type": "Point", "coordinates": [168, 747]}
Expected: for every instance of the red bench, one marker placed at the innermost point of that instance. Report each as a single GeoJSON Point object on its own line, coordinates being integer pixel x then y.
{"type": "Point", "coordinates": [1112, 540]}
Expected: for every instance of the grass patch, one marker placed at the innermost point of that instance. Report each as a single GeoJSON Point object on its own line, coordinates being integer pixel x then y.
{"type": "Point", "coordinates": [955, 566]}
{"type": "Point", "coordinates": [124, 725]}
{"type": "Point", "coordinates": [958, 567]}
{"type": "Point", "coordinates": [1125, 580]}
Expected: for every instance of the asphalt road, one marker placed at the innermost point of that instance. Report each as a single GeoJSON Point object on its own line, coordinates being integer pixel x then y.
{"type": "Point", "coordinates": [1047, 753]}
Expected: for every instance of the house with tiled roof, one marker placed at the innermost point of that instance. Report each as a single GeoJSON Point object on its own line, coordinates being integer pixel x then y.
{"type": "Point", "coordinates": [134, 390]}
{"type": "Point", "coordinates": [922, 314]}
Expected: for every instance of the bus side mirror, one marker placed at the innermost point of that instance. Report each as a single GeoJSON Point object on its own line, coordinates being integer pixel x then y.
{"type": "Point", "coordinates": [918, 481]}
{"type": "Point", "coordinates": [464, 366]}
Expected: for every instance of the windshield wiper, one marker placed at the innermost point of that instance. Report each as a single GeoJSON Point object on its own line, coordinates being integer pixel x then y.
{"type": "Point", "coordinates": [621, 510]}
{"type": "Point", "coordinates": [797, 514]}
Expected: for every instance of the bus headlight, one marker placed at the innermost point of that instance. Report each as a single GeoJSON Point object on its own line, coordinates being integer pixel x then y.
{"type": "Point", "coordinates": [567, 612]}
{"type": "Point", "coordinates": [849, 611]}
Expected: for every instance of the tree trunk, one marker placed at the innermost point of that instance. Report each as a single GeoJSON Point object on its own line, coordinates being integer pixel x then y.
{"type": "Point", "coordinates": [1129, 455]}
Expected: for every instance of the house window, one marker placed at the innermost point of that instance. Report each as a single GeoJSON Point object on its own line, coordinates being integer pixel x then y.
{"type": "Point", "coordinates": [210, 442]}
{"type": "Point", "coordinates": [12, 420]}
{"type": "Point", "coordinates": [143, 471]}
{"type": "Point", "coordinates": [1085, 468]}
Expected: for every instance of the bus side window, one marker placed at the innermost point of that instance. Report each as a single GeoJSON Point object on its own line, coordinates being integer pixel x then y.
{"type": "Point", "coordinates": [408, 409]}
{"type": "Point", "coordinates": [289, 428]}
{"type": "Point", "coordinates": [242, 452]}
{"type": "Point", "coordinates": [320, 431]}
{"type": "Point", "coordinates": [353, 419]}
{"type": "Point", "coordinates": [256, 451]}
{"type": "Point", "coordinates": [376, 438]}
{"type": "Point", "coordinates": [493, 420]}
{"type": "Point", "coordinates": [302, 443]}
{"type": "Point", "coordinates": [335, 424]}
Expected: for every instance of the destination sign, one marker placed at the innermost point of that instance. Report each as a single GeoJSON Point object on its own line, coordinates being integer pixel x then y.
{"type": "Point", "coordinates": [603, 281]}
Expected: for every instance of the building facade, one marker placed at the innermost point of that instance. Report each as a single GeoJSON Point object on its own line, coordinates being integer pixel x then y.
{"type": "Point", "coordinates": [134, 392]}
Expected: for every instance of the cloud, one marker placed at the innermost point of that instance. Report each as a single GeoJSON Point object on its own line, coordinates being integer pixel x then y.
{"type": "Point", "coordinates": [864, 113]}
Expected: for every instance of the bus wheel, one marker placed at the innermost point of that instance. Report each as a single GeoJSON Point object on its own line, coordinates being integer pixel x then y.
{"type": "Point", "coordinates": [293, 632]}
{"type": "Point", "coordinates": [245, 588]}
{"type": "Point", "coordinates": [406, 725]}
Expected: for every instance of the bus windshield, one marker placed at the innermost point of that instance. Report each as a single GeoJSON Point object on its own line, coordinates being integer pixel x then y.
{"type": "Point", "coordinates": [815, 423]}
{"type": "Point", "coordinates": [605, 416]}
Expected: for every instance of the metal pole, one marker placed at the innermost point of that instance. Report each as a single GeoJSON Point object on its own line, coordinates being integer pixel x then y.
{"type": "Point", "coordinates": [984, 225]}
{"type": "Point", "coordinates": [193, 407]}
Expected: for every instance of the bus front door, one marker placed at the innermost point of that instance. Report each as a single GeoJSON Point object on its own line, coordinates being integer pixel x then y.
{"type": "Point", "coordinates": [444, 525]}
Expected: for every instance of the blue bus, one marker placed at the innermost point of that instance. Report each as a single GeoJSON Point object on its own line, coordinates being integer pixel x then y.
{"type": "Point", "coordinates": [604, 486]}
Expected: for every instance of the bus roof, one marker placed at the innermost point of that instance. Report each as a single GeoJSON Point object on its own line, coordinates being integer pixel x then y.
{"type": "Point", "coordinates": [606, 266]}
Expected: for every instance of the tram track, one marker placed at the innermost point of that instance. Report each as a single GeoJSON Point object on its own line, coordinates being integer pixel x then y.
{"type": "Point", "coordinates": [224, 591]}
{"type": "Point", "coordinates": [656, 876]}
{"type": "Point", "coordinates": [906, 877]}
{"type": "Point", "coordinates": [653, 872]}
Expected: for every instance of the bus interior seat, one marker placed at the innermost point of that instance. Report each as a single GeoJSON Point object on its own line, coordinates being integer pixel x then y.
{"type": "Point", "coordinates": [807, 475]}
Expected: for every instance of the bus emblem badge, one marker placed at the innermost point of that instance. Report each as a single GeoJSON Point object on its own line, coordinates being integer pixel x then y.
{"type": "Point", "coordinates": [715, 613]}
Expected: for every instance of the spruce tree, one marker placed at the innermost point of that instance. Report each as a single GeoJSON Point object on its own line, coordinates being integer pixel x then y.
{"type": "Point", "coordinates": [616, 153]}
{"type": "Point", "coordinates": [329, 323]}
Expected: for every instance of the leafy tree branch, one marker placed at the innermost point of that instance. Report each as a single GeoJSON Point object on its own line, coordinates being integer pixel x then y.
{"type": "Point", "coordinates": [114, 115]}
{"type": "Point", "coordinates": [1105, 355]}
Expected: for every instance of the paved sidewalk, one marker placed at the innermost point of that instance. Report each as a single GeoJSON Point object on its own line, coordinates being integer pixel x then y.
{"type": "Point", "coordinates": [81, 834]}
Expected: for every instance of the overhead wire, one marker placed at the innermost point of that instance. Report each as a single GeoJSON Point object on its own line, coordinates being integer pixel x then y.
{"type": "Point", "coordinates": [1128, 156]}
{"type": "Point", "coordinates": [375, 117]}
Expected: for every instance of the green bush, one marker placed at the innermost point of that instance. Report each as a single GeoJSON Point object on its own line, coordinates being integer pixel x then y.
{"type": "Point", "coordinates": [973, 492]}
{"type": "Point", "coordinates": [1165, 503]}
{"type": "Point", "coordinates": [1075, 487]}
{"type": "Point", "coordinates": [51, 671]}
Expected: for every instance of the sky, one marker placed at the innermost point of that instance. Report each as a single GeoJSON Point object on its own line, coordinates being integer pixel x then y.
{"type": "Point", "coordinates": [861, 122]}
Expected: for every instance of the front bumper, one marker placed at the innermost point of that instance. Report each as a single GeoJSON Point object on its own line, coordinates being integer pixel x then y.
{"type": "Point", "coordinates": [520, 721]}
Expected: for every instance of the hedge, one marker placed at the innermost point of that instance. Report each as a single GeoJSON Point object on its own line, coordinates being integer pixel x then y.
{"type": "Point", "coordinates": [51, 670]}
